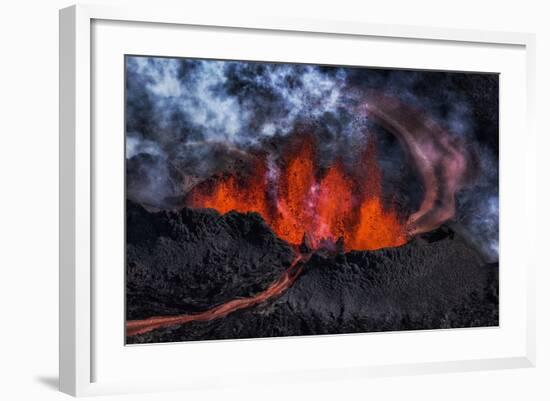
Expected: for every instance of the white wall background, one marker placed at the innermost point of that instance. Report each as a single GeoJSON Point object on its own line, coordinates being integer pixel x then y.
{"type": "Point", "coordinates": [29, 199]}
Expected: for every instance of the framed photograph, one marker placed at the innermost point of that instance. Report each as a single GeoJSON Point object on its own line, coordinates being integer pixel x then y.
{"type": "Point", "coordinates": [250, 199]}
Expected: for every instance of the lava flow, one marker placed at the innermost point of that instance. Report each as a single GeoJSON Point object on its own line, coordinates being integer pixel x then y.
{"type": "Point", "coordinates": [135, 327]}
{"type": "Point", "coordinates": [298, 199]}
{"type": "Point", "coordinates": [302, 202]}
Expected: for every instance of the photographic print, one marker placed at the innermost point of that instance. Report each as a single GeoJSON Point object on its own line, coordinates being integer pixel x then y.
{"type": "Point", "coordinates": [272, 199]}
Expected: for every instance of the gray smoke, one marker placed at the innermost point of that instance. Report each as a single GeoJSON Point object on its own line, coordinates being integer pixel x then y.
{"type": "Point", "coordinates": [188, 119]}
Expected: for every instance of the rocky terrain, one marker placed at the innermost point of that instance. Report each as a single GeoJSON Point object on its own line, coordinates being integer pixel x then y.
{"type": "Point", "coordinates": [192, 260]}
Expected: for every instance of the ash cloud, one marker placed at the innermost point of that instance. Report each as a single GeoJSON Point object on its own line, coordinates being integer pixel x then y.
{"type": "Point", "coordinates": [187, 119]}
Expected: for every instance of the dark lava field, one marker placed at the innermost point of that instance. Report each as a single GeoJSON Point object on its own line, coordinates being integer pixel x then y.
{"type": "Point", "coordinates": [189, 261]}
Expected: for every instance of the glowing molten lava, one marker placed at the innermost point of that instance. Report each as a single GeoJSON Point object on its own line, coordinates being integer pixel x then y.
{"type": "Point", "coordinates": [298, 200]}
{"type": "Point", "coordinates": [135, 327]}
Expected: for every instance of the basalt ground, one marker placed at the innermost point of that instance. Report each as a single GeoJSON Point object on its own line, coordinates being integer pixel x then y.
{"type": "Point", "coordinates": [191, 260]}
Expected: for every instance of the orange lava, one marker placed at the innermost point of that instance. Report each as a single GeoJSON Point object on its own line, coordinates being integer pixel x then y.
{"type": "Point", "coordinates": [293, 216]}
{"type": "Point", "coordinates": [377, 226]}
{"type": "Point", "coordinates": [230, 194]}
{"type": "Point", "coordinates": [135, 327]}
{"type": "Point", "coordinates": [323, 205]}
{"type": "Point", "coordinates": [335, 205]}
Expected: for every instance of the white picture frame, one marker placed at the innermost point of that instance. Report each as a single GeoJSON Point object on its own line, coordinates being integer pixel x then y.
{"type": "Point", "coordinates": [78, 162]}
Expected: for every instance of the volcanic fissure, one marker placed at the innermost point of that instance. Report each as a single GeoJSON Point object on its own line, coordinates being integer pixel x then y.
{"type": "Point", "coordinates": [336, 208]}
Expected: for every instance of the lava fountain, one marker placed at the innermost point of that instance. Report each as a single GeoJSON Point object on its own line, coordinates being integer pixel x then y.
{"type": "Point", "coordinates": [302, 201]}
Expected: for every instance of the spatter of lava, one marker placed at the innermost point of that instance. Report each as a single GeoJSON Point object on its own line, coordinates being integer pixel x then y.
{"type": "Point", "coordinates": [297, 201]}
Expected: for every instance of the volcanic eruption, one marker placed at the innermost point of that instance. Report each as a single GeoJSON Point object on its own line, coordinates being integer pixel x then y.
{"type": "Point", "coordinates": [308, 233]}
{"type": "Point", "coordinates": [299, 202]}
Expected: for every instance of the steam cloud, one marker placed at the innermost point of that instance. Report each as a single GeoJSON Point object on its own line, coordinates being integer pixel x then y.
{"type": "Point", "coordinates": [188, 119]}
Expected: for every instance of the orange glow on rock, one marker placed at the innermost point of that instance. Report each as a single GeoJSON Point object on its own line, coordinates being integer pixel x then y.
{"type": "Point", "coordinates": [324, 206]}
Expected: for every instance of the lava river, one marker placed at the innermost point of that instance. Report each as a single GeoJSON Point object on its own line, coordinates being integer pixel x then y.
{"type": "Point", "coordinates": [286, 280]}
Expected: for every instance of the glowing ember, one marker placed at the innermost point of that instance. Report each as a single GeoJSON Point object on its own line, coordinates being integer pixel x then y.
{"type": "Point", "coordinates": [302, 202]}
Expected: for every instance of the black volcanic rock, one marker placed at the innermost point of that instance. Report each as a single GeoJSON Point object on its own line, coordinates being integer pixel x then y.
{"type": "Point", "coordinates": [190, 260]}
{"type": "Point", "coordinates": [437, 280]}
